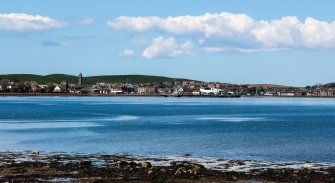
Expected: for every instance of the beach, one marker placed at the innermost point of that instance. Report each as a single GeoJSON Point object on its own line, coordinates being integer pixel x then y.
{"type": "Point", "coordinates": [62, 167]}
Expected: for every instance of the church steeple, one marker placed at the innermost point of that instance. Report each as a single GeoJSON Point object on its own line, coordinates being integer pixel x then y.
{"type": "Point", "coordinates": [80, 79]}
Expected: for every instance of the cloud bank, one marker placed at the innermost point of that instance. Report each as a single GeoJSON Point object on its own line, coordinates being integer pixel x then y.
{"type": "Point", "coordinates": [14, 22]}
{"type": "Point", "coordinates": [236, 32]}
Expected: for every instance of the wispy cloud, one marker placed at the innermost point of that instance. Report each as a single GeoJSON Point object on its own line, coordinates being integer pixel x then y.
{"type": "Point", "coordinates": [240, 50]}
{"type": "Point", "coordinates": [87, 21]}
{"type": "Point", "coordinates": [50, 44]}
{"type": "Point", "coordinates": [78, 37]}
{"type": "Point", "coordinates": [14, 22]}
{"type": "Point", "coordinates": [140, 40]}
{"type": "Point", "coordinates": [238, 32]}
{"type": "Point", "coordinates": [128, 53]}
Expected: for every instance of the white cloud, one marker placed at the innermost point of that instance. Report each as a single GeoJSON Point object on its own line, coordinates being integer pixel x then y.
{"type": "Point", "coordinates": [208, 24]}
{"type": "Point", "coordinates": [87, 21]}
{"type": "Point", "coordinates": [134, 23]}
{"type": "Point", "coordinates": [238, 31]}
{"type": "Point", "coordinates": [25, 23]}
{"type": "Point", "coordinates": [167, 48]}
{"type": "Point", "coordinates": [316, 33]}
{"type": "Point", "coordinates": [128, 53]}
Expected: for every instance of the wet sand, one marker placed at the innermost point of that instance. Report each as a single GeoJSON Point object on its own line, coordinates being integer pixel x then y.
{"type": "Point", "coordinates": [62, 167]}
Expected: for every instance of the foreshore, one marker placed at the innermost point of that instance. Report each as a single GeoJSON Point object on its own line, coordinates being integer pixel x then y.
{"type": "Point", "coordinates": [65, 167]}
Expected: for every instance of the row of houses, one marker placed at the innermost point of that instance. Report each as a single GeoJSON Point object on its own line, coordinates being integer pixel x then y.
{"type": "Point", "coordinates": [165, 88]}
{"type": "Point", "coordinates": [298, 92]}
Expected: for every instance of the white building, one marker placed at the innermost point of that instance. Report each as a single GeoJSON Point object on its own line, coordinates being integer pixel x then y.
{"type": "Point", "coordinates": [287, 94]}
{"type": "Point", "coordinates": [210, 91]}
{"type": "Point", "coordinates": [116, 91]}
{"type": "Point", "coordinates": [268, 94]}
{"type": "Point", "coordinates": [57, 89]}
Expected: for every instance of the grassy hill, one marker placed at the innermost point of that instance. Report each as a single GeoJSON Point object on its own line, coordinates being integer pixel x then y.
{"type": "Point", "coordinates": [56, 78]}
{"type": "Point", "coordinates": [329, 85]}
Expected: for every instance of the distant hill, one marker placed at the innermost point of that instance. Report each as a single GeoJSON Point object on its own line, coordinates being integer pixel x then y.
{"type": "Point", "coordinates": [329, 85]}
{"type": "Point", "coordinates": [56, 78]}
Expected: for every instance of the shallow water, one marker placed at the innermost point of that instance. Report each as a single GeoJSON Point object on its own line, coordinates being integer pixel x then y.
{"type": "Point", "coordinates": [266, 129]}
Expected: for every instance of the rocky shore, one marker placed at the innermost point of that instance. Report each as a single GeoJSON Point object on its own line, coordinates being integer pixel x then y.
{"type": "Point", "coordinates": [63, 167]}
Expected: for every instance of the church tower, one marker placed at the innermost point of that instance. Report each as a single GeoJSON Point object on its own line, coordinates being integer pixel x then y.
{"type": "Point", "coordinates": [80, 79]}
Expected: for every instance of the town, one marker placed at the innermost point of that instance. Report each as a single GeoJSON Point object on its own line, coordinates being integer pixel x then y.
{"type": "Point", "coordinates": [185, 88]}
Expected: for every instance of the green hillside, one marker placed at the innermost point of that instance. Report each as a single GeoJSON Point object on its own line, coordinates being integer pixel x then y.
{"type": "Point", "coordinates": [56, 78]}
{"type": "Point", "coordinates": [329, 85]}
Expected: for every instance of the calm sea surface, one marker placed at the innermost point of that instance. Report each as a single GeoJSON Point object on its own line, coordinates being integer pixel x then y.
{"type": "Point", "coordinates": [267, 129]}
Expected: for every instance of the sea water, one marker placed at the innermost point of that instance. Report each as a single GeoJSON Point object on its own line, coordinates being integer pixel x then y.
{"type": "Point", "coordinates": [265, 129]}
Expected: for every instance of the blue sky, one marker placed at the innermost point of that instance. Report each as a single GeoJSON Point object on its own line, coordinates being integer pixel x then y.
{"type": "Point", "coordinates": [260, 41]}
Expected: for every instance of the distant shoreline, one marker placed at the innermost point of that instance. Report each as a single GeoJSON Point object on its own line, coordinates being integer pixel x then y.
{"type": "Point", "coordinates": [101, 95]}
{"type": "Point", "coordinates": [131, 95]}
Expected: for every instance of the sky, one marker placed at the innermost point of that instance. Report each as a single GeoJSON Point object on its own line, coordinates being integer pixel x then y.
{"type": "Point", "coordinates": [236, 41]}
